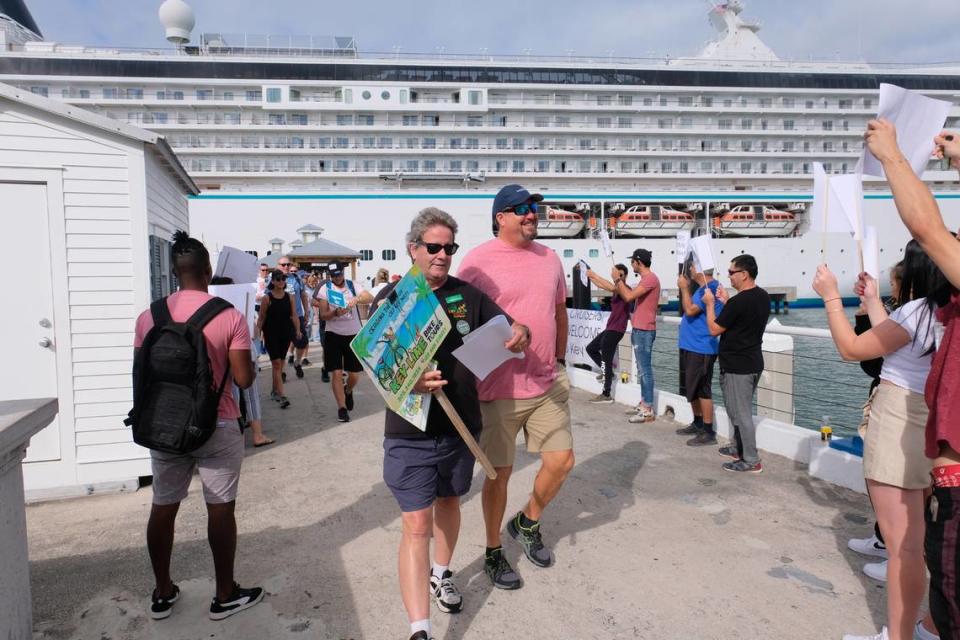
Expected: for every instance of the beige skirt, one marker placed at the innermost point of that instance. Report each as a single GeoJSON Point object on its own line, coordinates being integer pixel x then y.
{"type": "Point", "coordinates": [893, 441]}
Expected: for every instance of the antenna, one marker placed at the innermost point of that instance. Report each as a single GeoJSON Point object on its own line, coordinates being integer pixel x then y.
{"type": "Point", "coordinates": [177, 18]}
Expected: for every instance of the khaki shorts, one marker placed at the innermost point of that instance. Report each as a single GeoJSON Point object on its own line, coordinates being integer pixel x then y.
{"type": "Point", "coordinates": [893, 441]}
{"type": "Point", "coordinates": [217, 460]}
{"type": "Point", "coordinates": [545, 421]}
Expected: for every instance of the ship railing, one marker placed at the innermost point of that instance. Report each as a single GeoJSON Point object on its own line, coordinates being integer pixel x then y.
{"type": "Point", "coordinates": [804, 382]}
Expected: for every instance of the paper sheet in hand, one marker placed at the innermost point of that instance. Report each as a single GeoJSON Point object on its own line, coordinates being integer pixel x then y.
{"type": "Point", "coordinates": [335, 298]}
{"type": "Point", "coordinates": [834, 202]}
{"type": "Point", "coordinates": [917, 119]}
{"type": "Point", "coordinates": [483, 349]}
{"type": "Point", "coordinates": [683, 246]}
{"type": "Point", "coordinates": [605, 243]}
{"type": "Point", "coordinates": [238, 265]}
{"type": "Point", "coordinates": [584, 280]}
{"type": "Point", "coordinates": [703, 253]}
{"type": "Point", "coordinates": [871, 252]}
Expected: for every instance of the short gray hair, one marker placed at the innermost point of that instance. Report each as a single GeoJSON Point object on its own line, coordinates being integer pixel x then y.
{"type": "Point", "coordinates": [430, 217]}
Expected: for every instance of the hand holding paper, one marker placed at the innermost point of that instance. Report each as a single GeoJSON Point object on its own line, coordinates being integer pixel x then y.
{"type": "Point", "coordinates": [483, 348]}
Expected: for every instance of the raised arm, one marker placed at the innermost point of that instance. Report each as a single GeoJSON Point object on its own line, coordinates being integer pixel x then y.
{"type": "Point", "coordinates": [915, 202]}
{"type": "Point", "coordinates": [713, 327]}
{"type": "Point", "coordinates": [690, 309]}
{"type": "Point", "coordinates": [601, 282]}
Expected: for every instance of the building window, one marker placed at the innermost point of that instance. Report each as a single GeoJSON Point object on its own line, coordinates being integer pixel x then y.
{"type": "Point", "coordinates": [568, 253]}
{"type": "Point", "coordinates": [273, 94]}
{"type": "Point", "coordinates": [474, 121]}
{"type": "Point", "coordinates": [473, 97]}
{"type": "Point", "coordinates": [766, 103]}
{"type": "Point", "coordinates": [254, 96]}
{"type": "Point", "coordinates": [389, 254]}
{"type": "Point", "coordinates": [162, 280]}
{"type": "Point", "coordinates": [827, 125]}
{"type": "Point", "coordinates": [472, 143]}
{"type": "Point", "coordinates": [625, 101]}
{"type": "Point", "coordinates": [365, 119]}
{"type": "Point", "coordinates": [456, 165]}
{"type": "Point", "coordinates": [385, 165]}
{"type": "Point", "coordinates": [473, 165]}
{"type": "Point", "coordinates": [411, 121]}
{"type": "Point", "coordinates": [298, 119]}
{"type": "Point", "coordinates": [624, 122]}
{"type": "Point", "coordinates": [604, 100]}
{"type": "Point", "coordinates": [685, 101]}
{"type": "Point", "coordinates": [430, 165]}
{"type": "Point", "coordinates": [429, 143]}
{"type": "Point", "coordinates": [604, 123]}
{"type": "Point", "coordinates": [344, 119]}
{"type": "Point", "coordinates": [366, 254]}
{"type": "Point", "coordinates": [412, 165]}
{"type": "Point", "coordinates": [518, 166]}
{"type": "Point", "coordinates": [788, 125]}
{"type": "Point", "coordinates": [725, 124]}
{"type": "Point", "coordinates": [594, 253]}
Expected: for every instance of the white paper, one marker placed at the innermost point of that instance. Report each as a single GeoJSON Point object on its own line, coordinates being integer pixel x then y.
{"type": "Point", "coordinates": [238, 265]}
{"type": "Point", "coordinates": [847, 193]}
{"type": "Point", "coordinates": [483, 349]}
{"type": "Point", "coordinates": [917, 119]}
{"type": "Point", "coordinates": [683, 246]}
{"type": "Point", "coordinates": [703, 258]}
{"type": "Point", "coordinates": [871, 251]}
{"type": "Point", "coordinates": [584, 280]}
{"type": "Point", "coordinates": [605, 243]}
{"type": "Point", "coordinates": [242, 296]}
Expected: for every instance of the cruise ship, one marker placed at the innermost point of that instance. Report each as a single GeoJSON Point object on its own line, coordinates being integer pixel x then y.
{"type": "Point", "coordinates": [288, 133]}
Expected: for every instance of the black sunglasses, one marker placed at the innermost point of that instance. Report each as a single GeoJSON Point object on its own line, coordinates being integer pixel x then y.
{"type": "Point", "coordinates": [280, 278]}
{"type": "Point", "coordinates": [434, 247]}
{"type": "Point", "coordinates": [523, 209]}
{"type": "Point", "coordinates": [730, 273]}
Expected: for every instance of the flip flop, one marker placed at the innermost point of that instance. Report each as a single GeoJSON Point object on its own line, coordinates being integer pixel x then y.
{"type": "Point", "coordinates": [263, 444]}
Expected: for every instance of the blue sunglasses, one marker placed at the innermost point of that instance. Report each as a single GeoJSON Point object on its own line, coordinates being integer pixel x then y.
{"type": "Point", "coordinates": [524, 209]}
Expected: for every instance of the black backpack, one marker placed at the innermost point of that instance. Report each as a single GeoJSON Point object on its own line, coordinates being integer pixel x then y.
{"type": "Point", "coordinates": [174, 398]}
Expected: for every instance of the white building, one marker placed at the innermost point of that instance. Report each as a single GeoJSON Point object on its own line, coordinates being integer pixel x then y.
{"type": "Point", "coordinates": [89, 204]}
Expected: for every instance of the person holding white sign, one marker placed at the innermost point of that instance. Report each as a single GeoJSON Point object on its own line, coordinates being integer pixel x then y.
{"type": "Point", "coordinates": [428, 471]}
{"type": "Point", "coordinates": [603, 348]}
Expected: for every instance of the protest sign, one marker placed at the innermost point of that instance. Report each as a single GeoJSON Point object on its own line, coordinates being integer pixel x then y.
{"type": "Point", "coordinates": [702, 249]}
{"type": "Point", "coordinates": [917, 119]}
{"type": "Point", "coordinates": [243, 298]}
{"type": "Point", "coordinates": [239, 266]}
{"type": "Point", "coordinates": [605, 243]}
{"type": "Point", "coordinates": [871, 251]}
{"type": "Point", "coordinates": [397, 345]}
{"type": "Point", "coordinates": [683, 249]}
{"type": "Point", "coordinates": [584, 280]}
{"type": "Point", "coordinates": [583, 326]}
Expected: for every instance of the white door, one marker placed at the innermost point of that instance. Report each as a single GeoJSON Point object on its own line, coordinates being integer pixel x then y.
{"type": "Point", "coordinates": [28, 321]}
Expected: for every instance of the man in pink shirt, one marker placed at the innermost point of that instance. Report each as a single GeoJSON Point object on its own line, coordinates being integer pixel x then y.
{"type": "Point", "coordinates": [646, 296]}
{"type": "Point", "coordinates": [526, 280]}
{"type": "Point", "coordinates": [218, 459]}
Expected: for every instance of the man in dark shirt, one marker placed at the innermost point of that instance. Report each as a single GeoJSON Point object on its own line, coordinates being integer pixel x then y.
{"type": "Point", "coordinates": [740, 326]}
{"type": "Point", "coordinates": [428, 471]}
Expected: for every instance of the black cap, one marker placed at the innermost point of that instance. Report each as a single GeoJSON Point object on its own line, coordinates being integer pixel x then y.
{"type": "Point", "coordinates": [642, 256]}
{"type": "Point", "coordinates": [335, 268]}
{"type": "Point", "coordinates": [512, 195]}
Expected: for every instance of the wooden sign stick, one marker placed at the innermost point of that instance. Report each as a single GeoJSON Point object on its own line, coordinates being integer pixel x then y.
{"type": "Point", "coordinates": [465, 433]}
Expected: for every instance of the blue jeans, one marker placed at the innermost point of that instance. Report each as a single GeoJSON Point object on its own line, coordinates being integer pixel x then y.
{"type": "Point", "coordinates": [642, 341]}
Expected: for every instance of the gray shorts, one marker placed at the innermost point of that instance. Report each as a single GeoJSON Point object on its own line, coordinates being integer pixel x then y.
{"type": "Point", "coordinates": [218, 462]}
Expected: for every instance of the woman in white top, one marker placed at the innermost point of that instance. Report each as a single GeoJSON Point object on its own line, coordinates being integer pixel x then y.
{"type": "Point", "coordinates": [894, 465]}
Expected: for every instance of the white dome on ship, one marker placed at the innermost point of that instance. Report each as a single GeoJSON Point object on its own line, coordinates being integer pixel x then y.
{"type": "Point", "coordinates": [178, 19]}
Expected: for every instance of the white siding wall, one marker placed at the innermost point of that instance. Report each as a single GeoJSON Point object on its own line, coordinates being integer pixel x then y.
{"type": "Point", "coordinates": [167, 208]}
{"type": "Point", "coordinates": [100, 277]}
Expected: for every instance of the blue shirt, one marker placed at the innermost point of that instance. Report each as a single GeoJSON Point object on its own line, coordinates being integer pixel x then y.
{"type": "Point", "coordinates": [694, 334]}
{"type": "Point", "coordinates": [294, 287]}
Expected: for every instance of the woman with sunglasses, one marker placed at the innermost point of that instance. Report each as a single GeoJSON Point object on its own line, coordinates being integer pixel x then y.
{"type": "Point", "coordinates": [278, 324]}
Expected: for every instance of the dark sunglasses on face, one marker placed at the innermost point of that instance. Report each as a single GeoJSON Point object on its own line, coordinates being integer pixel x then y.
{"type": "Point", "coordinates": [730, 273]}
{"type": "Point", "coordinates": [434, 248]}
{"type": "Point", "coordinates": [283, 279]}
{"type": "Point", "coordinates": [524, 209]}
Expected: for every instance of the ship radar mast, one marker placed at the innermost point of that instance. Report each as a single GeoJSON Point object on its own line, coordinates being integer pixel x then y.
{"type": "Point", "coordinates": [178, 20]}
{"type": "Point", "coordinates": [737, 39]}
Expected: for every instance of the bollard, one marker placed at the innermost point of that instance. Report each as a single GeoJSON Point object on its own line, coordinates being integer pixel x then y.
{"type": "Point", "coordinates": [775, 391]}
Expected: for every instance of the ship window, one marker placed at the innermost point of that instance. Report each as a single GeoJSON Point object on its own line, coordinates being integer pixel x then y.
{"type": "Point", "coordinates": [604, 123]}
{"type": "Point", "coordinates": [429, 143]}
{"type": "Point", "coordinates": [788, 103]}
{"type": "Point", "coordinates": [365, 95]}
{"type": "Point", "coordinates": [228, 95]}
{"type": "Point", "coordinates": [473, 165]}
{"type": "Point", "coordinates": [624, 122]}
{"type": "Point", "coordinates": [404, 96]}
{"type": "Point", "coordinates": [389, 254]}
{"type": "Point", "coordinates": [706, 167]}
{"type": "Point", "coordinates": [474, 121]}
{"type": "Point", "coordinates": [647, 102]}
{"type": "Point", "coordinates": [543, 166]}
{"type": "Point", "coordinates": [827, 125]}
{"type": "Point", "coordinates": [411, 121]}
{"type": "Point", "coordinates": [473, 97]}
{"type": "Point", "coordinates": [412, 165]}
{"type": "Point", "coordinates": [385, 165]}
{"type": "Point", "coordinates": [298, 118]}
{"type": "Point", "coordinates": [518, 166]}
{"type": "Point", "coordinates": [472, 143]}
{"type": "Point", "coordinates": [604, 100]}
{"type": "Point", "coordinates": [385, 95]}
{"type": "Point", "coordinates": [594, 253]}
{"type": "Point", "coordinates": [456, 165]}
{"type": "Point", "coordinates": [40, 91]}
{"type": "Point", "coordinates": [766, 103]}
{"type": "Point", "coordinates": [366, 254]}
{"type": "Point", "coordinates": [746, 123]}
{"type": "Point", "coordinates": [685, 101]}
{"type": "Point", "coordinates": [344, 119]}
{"type": "Point", "coordinates": [568, 253]}
{"type": "Point", "coordinates": [625, 101]}
{"type": "Point", "coordinates": [725, 123]}
{"type": "Point", "coordinates": [386, 143]}
{"type": "Point", "coordinates": [207, 94]}
{"type": "Point", "coordinates": [84, 93]}
{"type": "Point", "coordinates": [455, 143]}
{"type": "Point", "coordinates": [430, 165]}
{"type": "Point", "coordinates": [252, 96]}
{"type": "Point", "coordinates": [368, 142]}
{"type": "Point", "coordinates": [563, 121]}
{"type": "Point", "coordinates": [273, 94]}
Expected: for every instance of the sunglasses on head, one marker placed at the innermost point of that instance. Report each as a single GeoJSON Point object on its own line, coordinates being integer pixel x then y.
{"type": "Point", "coordinates": [523, 209]}
{"type": "Point", "coordinates": [435, 247]}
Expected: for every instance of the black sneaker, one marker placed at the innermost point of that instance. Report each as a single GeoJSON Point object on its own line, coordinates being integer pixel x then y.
{"type": "Point", "coordinates": [729, 451]}
{"type": "Point", "coordinates": [531, 541]}
{"type": "Point", "coordinates": [420, 635]}
{"type": "Point", "coordinates": [500, 572]}
{"type": "Point", "coordinates": [284, 403]}
{"type": "Point", "coordinates": [239, 600]}
{"type": "Point", "coordinates": [299, 370]}
{"type": "Point", "coordinates": [160, 608]}
{"type": "Point", "coordinates": [348, 399]}
{"type": "Point", "coordinates": [445, 593]}
{"type": "Point", "coordinates": [324, 376]}
{"type": "Point", "coordinates": [305, 362]}
{"type": "Point", "coordinates": [342, 415]}
{"type": "Point", "coordinates": [690, 430]}
{"type": "Point", "coordinates": [742, 466]}
{"type": "Point", "coordinates": [703, 439]}
{"type": "Point", "coordinates": [289, 359]}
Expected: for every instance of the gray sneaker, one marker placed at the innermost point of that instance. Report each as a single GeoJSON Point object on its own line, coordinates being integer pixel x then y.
{"type": "Point", "coordinates": [703, 439]}
{"type": "Point", "coordinates": [500, 572]}
{"type": "Point", "coordinates": [729, 451]}
{"type": "Point", "coordinates": [689, 430]}
{"type": "Point", "coordinates": [601, 399]}
{"type": "Point", "coordinates": [531, 541]}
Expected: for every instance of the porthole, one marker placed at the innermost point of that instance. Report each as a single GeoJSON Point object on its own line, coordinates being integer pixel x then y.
{"type": "Point", "coordinates": [365, 95]}
{"type": "Point", "coordinates": [385, 95]}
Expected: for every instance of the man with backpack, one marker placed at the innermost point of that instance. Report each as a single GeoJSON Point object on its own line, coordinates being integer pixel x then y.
{"type": "Point", "coordinates": [188, 350]}
{"type": "Point", "coordinates": [336, 300]}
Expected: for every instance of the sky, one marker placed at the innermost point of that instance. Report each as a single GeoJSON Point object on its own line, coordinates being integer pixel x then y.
{"type": "Point", "coordinates": [850, 30]}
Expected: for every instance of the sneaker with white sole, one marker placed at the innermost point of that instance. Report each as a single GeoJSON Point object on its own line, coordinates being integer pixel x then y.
{"type": "Point", "coordinates": [445, 593]}
{"type": "Point", "coordinates": [868, 546]}
{"type": "Point", "coordinates": [239, 600]}
{"type": "Point", "coordinates": [601, 399]}
{"type": "Point", "coordinates": [876, 570]}
{"type": "Point", "coordinates": [919, 633]}
{"type": "Point", "coordinates": [876, 636]}
{"type": "Point", "coordinates": [161, 608]}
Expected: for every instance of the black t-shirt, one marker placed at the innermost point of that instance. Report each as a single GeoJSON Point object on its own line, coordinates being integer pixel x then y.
{"type": "Point", "coordinates": [467, 308]}
{"type": "Point", "coordinates": [744, 317]}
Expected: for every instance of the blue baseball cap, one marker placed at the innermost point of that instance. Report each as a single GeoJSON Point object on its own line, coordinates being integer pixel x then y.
{"type": "Point", "coordinates": [512, 195]}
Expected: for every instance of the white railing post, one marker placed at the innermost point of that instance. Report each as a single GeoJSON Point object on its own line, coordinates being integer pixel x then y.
{"type": "Point", "coordinates": [775, 391]}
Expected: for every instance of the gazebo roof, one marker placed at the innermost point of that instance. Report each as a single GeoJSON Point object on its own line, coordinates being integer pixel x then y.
{"type": "Point", "coordinates": [309, 228]}
{"type": "Point", "coordinates": [322, 248]}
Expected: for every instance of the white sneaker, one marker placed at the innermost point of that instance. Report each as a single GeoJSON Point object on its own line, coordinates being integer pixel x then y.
{"type": "Point", "coordinates": [919, 633]}
{"type": "Point", "coordinates": [868, 546]}
{"type": "Point", "coordinates": [876, 570]}
{"type": "Point", "coordinates": [877, 636]}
